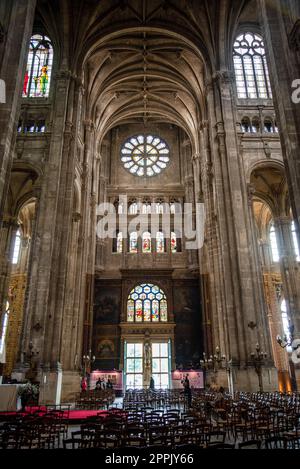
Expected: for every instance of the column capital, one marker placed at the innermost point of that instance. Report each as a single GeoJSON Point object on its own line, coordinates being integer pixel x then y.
{"type": "Point", "coordinates": [9, 221]}
{"type": "Point", "coordinates": [251, 190]}
{"type": "Point", "coordinates": [196, 157]}
{"type": "Point", "coordinates": [223, 77]}
{"type": "Point", "coordinates": [89, 125]}
{"type": "Point", "coordinates": [282, 220]}
{"type": "Point", "coordinates": [63, 75]}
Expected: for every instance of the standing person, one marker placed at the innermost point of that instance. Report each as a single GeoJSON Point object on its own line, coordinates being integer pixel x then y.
{"type": "Point", "coordinates": [219, 398]}
{"type": "Point", "coordinates": [188, 391]}
{"type": "Point", "coordinates": [109, 384]}
{"type": "Point", "coordinates": [152, 384]}
{"type": "Point", "coordinates": [98, 384]}
{"type": "Point", "coordinates": [84, 384]}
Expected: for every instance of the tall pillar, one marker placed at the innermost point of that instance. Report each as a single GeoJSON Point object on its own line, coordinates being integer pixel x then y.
{"type": "Point", "coordinates": [289, 268]}
{"type": "Point", "coordinates": [16, 17]}
{"type": "Point", "coordinates": [240, 285]}
{"type": "Point", "coordinates": [48, 304]}
{"type": "Point", "coordinates": [281, 26]}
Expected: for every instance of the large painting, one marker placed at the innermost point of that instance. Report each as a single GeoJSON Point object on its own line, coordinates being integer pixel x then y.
{"type": "Point", "coordinates": [188, 331]}
{"type": "Point", "coordinates": [106, 332]}
{"type": "Point", "coordinates": [107, 304]}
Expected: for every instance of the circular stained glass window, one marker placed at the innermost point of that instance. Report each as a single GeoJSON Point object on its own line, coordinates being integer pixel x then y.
{"type": "Point", "coordinates": [145, 155]}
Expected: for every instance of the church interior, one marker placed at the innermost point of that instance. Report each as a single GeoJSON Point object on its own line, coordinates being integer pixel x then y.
{"type": "Point", "coordinates": [149, 228]}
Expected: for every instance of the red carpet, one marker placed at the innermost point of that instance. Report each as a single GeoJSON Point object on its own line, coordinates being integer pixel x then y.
{"type": "Point", "coordinates": [72, 415]}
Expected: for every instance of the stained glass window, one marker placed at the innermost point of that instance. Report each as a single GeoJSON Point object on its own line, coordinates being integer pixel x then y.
{"type": "Point", "coordinates": [160, 242]}
{"type": "Point", "coordinates": [147, 303]}
{"type": "Point", "coordinates": [133, 240]}
{"type": "Point", "coordinates": [17, 248]}
{"type": "Point", "coordinates": [39, 68]}
{"type": "Point", "coordinates": [251, 69]}
{"type": "Point", "coordinates": [173, 242]}
{"type": "Point", "coordinates": [145, 155]}
{"type": "Point", "coordinates": [163, 311]}
{"type": "Point", "coordinates": [130, 311]}
{"type": "Point", "coordinates": [295, 241]}
{"type": "Point", "coordinates": [146, 242]}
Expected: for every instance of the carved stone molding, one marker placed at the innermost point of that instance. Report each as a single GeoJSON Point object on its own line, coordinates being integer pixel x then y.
{"type": "Point", "coordinates": [76, 217]}
{"type": "Point", "coordinates": [251, 192]}
{"type": "Point", "coordinates": [223, 77]}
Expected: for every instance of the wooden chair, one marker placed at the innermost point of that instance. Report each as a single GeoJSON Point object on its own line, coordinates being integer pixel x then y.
{"type": "Point", "coordinates": [276, 443]}
{"type": "Point", "coordinates": [251, 444]}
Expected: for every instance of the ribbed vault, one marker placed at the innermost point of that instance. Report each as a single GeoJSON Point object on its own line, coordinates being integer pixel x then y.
{"type": "Point", "coordinates": [143, 60]}
{"type": "Point", "coordinates": [142, 76]}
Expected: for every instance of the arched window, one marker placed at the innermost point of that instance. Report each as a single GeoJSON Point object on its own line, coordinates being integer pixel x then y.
{"type": "Point", "coordinates": [133, 242]}
{"type": "Point", "coordinates": [273, 243]}
{"type": "Point", "coordinates": [251, 69]}
{"type": "Point", "coordinates": [255, 127]}
{"type": "Point", "coordinates": [3, 329]}
{"type": "Point", "coordinates": [173, 242]}
{"type": "Point", "coordinates": [285, 320]}
{"type": "Point", "coordinates": [295, 242]}
{"type": "Point", "coordinates": [147, 303]}
{"type": "Point", "coordinates": [146, 242]}
{"type": "Point", "coordinates": [17, 247]}
{"type": "Point", "coordinates": [146, 208]}
{"type": "Point", "coordinates": [120, 242]}
{"type": "Point", "coordinates": [133, 208]}
{"type": "Point", "coordinates": [41, 126]}
{"type": "Point", "coordinates": [39, 68]}
{"type": "Point", "coordinates": [175, 207]}
{"type": "Point", "coordinates": [30, 127]}
{"type": "Point", "coordinates": [245, 125]}
{"type": "Point", "coordinates": [145, 155]}
{"type": "Point", "coordinates": [268, 126]}
{"type": "Point", "coordinates": [160, 242]}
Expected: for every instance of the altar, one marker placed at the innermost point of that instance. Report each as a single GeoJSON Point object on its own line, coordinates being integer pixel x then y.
{"type": "Point", "coordinates": [9, 401]}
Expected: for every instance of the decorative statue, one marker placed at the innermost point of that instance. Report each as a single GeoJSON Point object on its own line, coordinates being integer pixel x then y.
{"type": "Point", "coordinates": [147, 354]}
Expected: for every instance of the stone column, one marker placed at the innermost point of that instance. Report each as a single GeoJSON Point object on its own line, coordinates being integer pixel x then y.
{"type": "Point", "coordinates": [48, 297]}
{"type": "Point", "coordinates": [239, 271]}
{"type": "Point", "coordinates": [281, 26]}
{"type": "Point", "coordinates": [7, 239]}
{"type": "Point", "coordinates": [275, 323]}
{"type": "Point", "coordinates": [16, 18]}
{"type": "Point", "coordinates": [214, 327]}
{"type": "Point", "coordinates": [289, 269]}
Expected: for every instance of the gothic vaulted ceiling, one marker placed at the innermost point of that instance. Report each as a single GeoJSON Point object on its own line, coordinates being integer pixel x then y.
{"type": "Point", "coordinates": [142, 59]}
